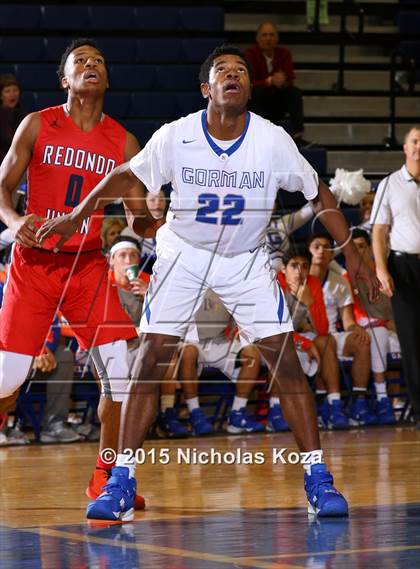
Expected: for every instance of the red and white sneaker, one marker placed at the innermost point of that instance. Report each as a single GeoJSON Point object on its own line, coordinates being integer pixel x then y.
{"type": "Point", "coordinates": [99, 479]}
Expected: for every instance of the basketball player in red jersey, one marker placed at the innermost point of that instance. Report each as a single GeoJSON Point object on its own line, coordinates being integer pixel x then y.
{"type": "Point", "coordinates": [67, 150]}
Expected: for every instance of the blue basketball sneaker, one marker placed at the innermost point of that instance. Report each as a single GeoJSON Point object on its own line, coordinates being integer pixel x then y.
{"type": "Point", "coordinates": [385, 412]}
{"type": "Point", "coordinates": [323, 499]}
{"type": "Point", "coordinates": [337, 419]}
{"type": "Point", "coordinates": [168, 422]}
{"type": "Point", "coordinates": [116, 503]}
{"type": "Point", "coordinates": [201, 426]}
{"type": "Point", "coordinates": [276, 423]}
{"type": "Point", "coordinates": [323, 413]}
{"type": "Point", "coordinates": [240, 422]}
{"type": "Point", "coordinates": [360, 414]}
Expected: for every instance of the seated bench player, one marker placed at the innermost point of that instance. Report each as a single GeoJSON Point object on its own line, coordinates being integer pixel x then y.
{"type": "Point", "coordinates": [207, 343]}
{"type": "Point", "coordinates": [316, 347]}
{"type": "Point", "coordinates": [353, 341]}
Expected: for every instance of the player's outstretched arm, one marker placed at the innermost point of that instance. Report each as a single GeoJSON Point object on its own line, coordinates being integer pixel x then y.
{"type": "Point", "coordinates": [138, 216]}
{"type": "Point", "coordinates": [116, 185]}
{"type": "Point", "coordinates": [334, 221]}
{"type": "Point", "coordinates": [12, 170]}
{"type": "Point", "coordinates": [120, 183]}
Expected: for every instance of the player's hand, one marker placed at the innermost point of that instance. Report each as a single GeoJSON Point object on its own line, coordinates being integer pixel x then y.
{"type": "Point", "coordinates": [63, 225]}
{"type": "Point", "coordinates": [278, 79]}
{"type": "Point", "coordinates": [360, 335]}
{"type": "Point", "coordinates": [359, 271]}
{"type": "Point", "coordinates": [147, 229]}
{"type": "Point", "coordinates": [24, 230]}
{"type": "Point", "coordinates": [138, 287]}
{"type": "Point", "coordinates": [313, 354]}
{"type": "Point", "coordinates": [387, 282]}
{"type": "Point", "coordinates": [304, 295]}
{"type": "Point", "coordinates": [45, 362]}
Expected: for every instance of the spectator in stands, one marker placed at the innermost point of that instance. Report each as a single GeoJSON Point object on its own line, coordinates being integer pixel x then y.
{"type": "Point", "coordinates": [11, 112]}
{"type": "Point", "coordinates": [111, 228]}
{"type": "Point", "coordinates": [273, 92]}
{"type": "Point", "coordinates": [280, 229]}
{"type": "Point", "coordinates": [9, 436]}
{"type": "Point", "coordinates": [157, 204]}
{"type": "Point", "coordinates": [396, 229]}
{"type": "Point", "coordinates": [377, 319]}
{"type": "Point", "coordinates": [55, 366]}
{"type": "Point", "coordinates": [208, 344]}
{"type": "Point", "coordinates": [353, 341]}
{"type": "Point", "coordinates": [365, 212]}
{"type": "Point", "coordinates": [132, 287]}
{"type": "Point", "coordinates": [316, 347]}
{"type": "Point", "coordinates": [311, 14]}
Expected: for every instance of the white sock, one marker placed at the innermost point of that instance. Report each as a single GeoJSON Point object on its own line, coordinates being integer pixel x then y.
{"type": "Point", "coordinates": [380, 389]}
{"type": "Point", "coordinates": [130, 463]}
{"type": "Point", "coordinates": [193, 403]}
{"type": "Point", "coordinates": [166, 402]}
{"type": "Point", "coordinates": [333, 397]}
{"type": "Point", "coordinates": [274, 401]}
{"type": "Point", "coordinates": [311, 458]}
{"type": "Point", "coordinates": [239, 402]}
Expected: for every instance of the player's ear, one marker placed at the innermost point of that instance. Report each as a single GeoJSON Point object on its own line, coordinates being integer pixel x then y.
{"type": "Point", "coordinates": [64, 83]}
{"type": "Point", "coordinates": [205, 90]}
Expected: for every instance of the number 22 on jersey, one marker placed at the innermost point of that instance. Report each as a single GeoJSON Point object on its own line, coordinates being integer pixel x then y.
{"type": "Point", "coordinates": [210, 212]}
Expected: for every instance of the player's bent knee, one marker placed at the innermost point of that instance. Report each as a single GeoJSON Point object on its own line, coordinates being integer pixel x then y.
{"type": "Point", "coordinates": [111, 362]}
{"type": "Point", "coordinates": [14, 369]}
{"type": "Point", "coordinates": [249, 356]}
{"type": "Point", "coordinates": [189, 353]}
{"type": "Point", "coordinates": [108, 409]}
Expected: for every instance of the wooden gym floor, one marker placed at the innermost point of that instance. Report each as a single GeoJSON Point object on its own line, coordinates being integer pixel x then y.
{"type": "Point", "coordinates": [217, 516]}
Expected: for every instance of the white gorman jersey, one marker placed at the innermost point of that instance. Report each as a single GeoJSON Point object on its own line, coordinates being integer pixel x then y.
{"type": "Point", "coordinates": [222, 198]}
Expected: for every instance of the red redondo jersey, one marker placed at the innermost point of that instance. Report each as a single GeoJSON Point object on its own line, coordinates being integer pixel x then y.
{"type": "Point", "coordinates": [67, 163]}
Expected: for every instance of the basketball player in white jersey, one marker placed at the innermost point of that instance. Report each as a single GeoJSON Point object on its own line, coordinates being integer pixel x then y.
{"type": "Point", "coordinates": [225, 166]}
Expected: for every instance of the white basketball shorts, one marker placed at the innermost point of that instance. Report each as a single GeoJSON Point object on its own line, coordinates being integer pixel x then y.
{"type": "Point", "coordinates": [245, 283]}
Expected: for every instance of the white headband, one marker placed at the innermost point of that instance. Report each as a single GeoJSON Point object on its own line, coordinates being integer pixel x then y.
{"type": "Point", "coordinates": [123, 245]}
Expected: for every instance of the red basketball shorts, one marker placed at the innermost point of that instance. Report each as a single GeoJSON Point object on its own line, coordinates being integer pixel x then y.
{"type": "Point", "coordinates": [40, 283]}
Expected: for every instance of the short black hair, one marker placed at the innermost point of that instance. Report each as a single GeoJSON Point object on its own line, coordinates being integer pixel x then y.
{"type": "Point", "coordinates": [357, 233]}
{"type": "Point", "coordinates": [71, 47]}
{"type": "Point", "coordinates": [320, 235]}
{"type": "Point", "coordinates": [224, 49]}
{"type": "Point", "coordinates": [299, 250]}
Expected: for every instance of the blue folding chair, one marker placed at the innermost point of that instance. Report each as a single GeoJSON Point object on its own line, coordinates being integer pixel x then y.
{"type": "Point", "coordinates": [107, 17]}
{"type": "Point", "coordinates": [142, 129]}
{"type": "Point", "coordinates": [22, 48]}
{"type": "Point", "coordinates": [177, 77]}
{"type": "Point", "coordinates": [20, 16]}
{"type": "Point", "coordinates": [132, 77]}
{"type": "Point", "coordinates": [55, 47]}
{"type": "Point", "coordinates": [118, 49]}
{"type": "Point", "coordinates": [159, 50]}
{"type": "Point", "coordinates": [49, 99]}
{"type": "Point", "coordinates": [190, 102]}
{"type": "Point", "coordinates": [159, 18]}
{"type": "Point", "coordinates": [117, 105]}
{"type": "Point", "coordinates": [202, 18]}
{"type": "Point", "coordinates": [37, 76]}
{"type": "Point", "coordinates": [28, 101]}
{"type": "Point", "coordinates": [65, 17]}
{"type": "Point", "coordinates": [156, 105]}
{"type": "Point", "coordinates": [196, 50]}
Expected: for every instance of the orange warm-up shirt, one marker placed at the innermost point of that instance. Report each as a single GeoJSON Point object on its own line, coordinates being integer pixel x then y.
{"type": "Point", "coordinates": [317, 309]}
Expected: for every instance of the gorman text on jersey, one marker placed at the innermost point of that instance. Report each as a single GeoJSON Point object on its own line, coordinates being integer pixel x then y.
{"type": "Point", "coordinates": [222, 178]}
